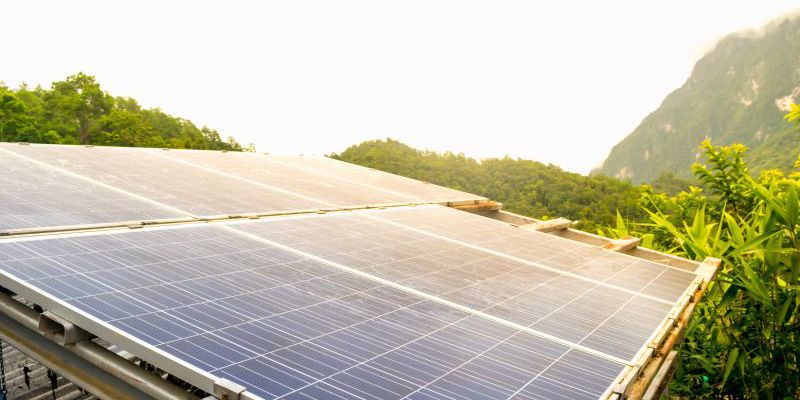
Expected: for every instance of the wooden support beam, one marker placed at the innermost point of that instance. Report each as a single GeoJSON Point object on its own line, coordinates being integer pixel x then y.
{"type": "Point", "coordinates": [624, 244]}
{"type": "Point", "coordinates": [480, 206]}
{"type": "Point", "coordinates": [649, 381]}
{"type": "Point", "coordinates": [662, 377]}
{"type": "Point", "coordinates": [551, 225]}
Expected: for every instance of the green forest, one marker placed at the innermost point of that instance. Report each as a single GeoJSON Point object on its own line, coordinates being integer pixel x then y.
{"type": "Point", "coordinates": [523, 186]}
{"type": "Point", "coordinates": [78, 111]}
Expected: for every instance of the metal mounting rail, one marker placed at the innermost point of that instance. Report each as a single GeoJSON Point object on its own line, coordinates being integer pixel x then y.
{"type": "Point", "coordinates": [87, 364]}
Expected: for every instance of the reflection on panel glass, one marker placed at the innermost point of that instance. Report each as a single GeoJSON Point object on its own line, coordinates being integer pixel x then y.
{"type": "Point", "coordinates": [34, 196]}
{"type": "Point", "coordinates": [288, 326]}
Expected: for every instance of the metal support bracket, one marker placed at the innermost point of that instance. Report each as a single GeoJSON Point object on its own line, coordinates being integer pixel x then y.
{"type": "Point", "coordinates": [60, 330]}
{"type": "Point", "coordinates": [225, 389]}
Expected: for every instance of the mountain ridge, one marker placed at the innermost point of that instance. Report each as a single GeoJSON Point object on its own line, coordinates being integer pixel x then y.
{"type": "Point", "coordinates": [737, 93]}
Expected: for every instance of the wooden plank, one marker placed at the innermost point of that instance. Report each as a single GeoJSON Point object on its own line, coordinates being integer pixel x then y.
{"type": "Point", "coordinates": [551, 225]}
{"type": "Point", "coordinates": [662, 377]}
{"type": "Point", "coordinates": [647, 374]}
{"type": "Point", "coordinates": [479, 206]}
{"type": "Point", "coordinates": [625, 244]}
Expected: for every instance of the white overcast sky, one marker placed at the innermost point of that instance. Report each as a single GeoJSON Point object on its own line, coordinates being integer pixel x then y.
{"type": "Point", "coordinates": [558, 82]}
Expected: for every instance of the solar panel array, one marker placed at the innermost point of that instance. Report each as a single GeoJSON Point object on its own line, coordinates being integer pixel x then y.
{"type": "Point", "coordinates": [123, 184]}
{"type": "Point", "coordinates": [416, 302]}
{"type": "Point", "coordinates": [33, 196]}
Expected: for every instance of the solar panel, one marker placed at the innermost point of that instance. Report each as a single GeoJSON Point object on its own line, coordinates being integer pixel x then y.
{"type": "Point", "coordinates": [532, 246]}
{"type": "Point", "coordinates": [331, 168]}
{"type": "Point", "coordinates": [210, 302]}
{"type": "Point", "coordinates": [580, 293]}
{"type": "Point", "coordinates": [142, 173]}
{"type": "Point", "coordinates": [35, 196]}
{"type": "Point", "coordinates": [196, 183]}
{"type": "Point", "coordinates": [295, 174]}
{"type": "Point", "coordinates": [356, 305]}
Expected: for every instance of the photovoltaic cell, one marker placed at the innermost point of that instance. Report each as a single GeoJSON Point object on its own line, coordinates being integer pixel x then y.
{"type": "Point", "coordinates": [142, 173]}
{"type": "Point", "coordinates": [285, 325]}
{"type": "Point", "coordinates": [532, 246]}
{"type": "Point", "coordinates": [295, 175]}
{"type": "Point", "coordinates": [34, 196]}
{"type": "Point", "coordinates": [331, 168]}
{"type": "Point", "coordinates": [189, 183]}
{"type": "Point", "coordinates": [582, 301]}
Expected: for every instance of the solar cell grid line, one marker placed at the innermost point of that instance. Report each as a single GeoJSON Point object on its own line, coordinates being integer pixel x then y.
{"type": "Point", "coordinates": [425, 300]}
{"type": "Point", "coordinates": [332, 189]}
{"type": "Point", "coordinates": [502, 238]}
{"type": "Point", "coordinates": [221, 169]}
{"type": "Point", "coordinates": [420, 293]}
{"type": "Point", "coordinates": [608, 336]}
{"type": "Point", "coordinates": [517, 313]}
{"type": "Point", "coordinates": [163, 181]}
{"type": "Point", "coordinates": [471, 392]}
{"type": "Point", "coordinates": [370, 177]}
{"type": "Point", "coordinates": [37, 196]}
{"type": "Point", "coordinates": [95, 244]}
{"type": "Point", "coordinates": [480, 354]}
{"type": "Point", "coordinates": [356, 173]}
{"type": "Point", "coordinates": [372, 227]}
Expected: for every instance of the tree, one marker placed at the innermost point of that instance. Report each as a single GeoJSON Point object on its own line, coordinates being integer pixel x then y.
{"type": "Point", "coordinates": [14, 118]}
{"type": "Point", "coordinates": [77, 103]}
{"type": "Point", "coordinates": [77, 110]}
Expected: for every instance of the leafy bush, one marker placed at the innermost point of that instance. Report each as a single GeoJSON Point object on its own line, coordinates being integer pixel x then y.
{"type": "Point", "coordinates": [743, 339]}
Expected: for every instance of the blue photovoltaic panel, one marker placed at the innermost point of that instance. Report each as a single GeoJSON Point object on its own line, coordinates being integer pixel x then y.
{"type": "Point", "coordinates": [288, 326]}
{"type": "Point", "coordinates": [604, 300]}
{"type": "Point", "coordinates": [35, 196]}
{"type": "Point", "coordinates": [312, 176]}
{"type": "Point", "coordinates": [142, 172]}
{"type": "Point", "coordinates": [335, 169]}
{"type": "Point", "coordinates": [593, 262]}
{"type": "Point", "coordinates": [198, 183]}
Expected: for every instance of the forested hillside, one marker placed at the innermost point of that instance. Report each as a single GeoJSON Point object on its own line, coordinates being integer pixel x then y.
{"type": "Point", "coordinates": [737, 93]}
{"type": "Point", "coordinates": [526, 187]}
{"type": "Point", "coordinates": [78, 111]}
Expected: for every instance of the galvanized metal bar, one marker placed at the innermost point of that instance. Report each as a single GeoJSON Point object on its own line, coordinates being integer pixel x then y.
{"type": "Point", "coordinates": [95, 360]}
{"type": "Point", "coordinates": [67, 364]}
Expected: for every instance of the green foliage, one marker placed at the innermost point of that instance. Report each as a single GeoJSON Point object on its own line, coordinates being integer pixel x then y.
{"type": "Point", "coordinates": [523, 186]}
{"type": "Point", "coordinates": [671, 184]}
{"type": "Point", "coordinates": [77, 111]}
{"type": "Point", "coordinates": [726, 175]}
{"type": "Point", "coordinates": [793, 115]}
{"type": "Point", "coordinates": [735, 94]}
{"type": "Point", "coordinates": [744, 338]}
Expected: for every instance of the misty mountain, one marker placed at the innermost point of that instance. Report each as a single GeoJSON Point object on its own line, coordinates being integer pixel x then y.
{"type": "Point", "coordinates": [737, 93]}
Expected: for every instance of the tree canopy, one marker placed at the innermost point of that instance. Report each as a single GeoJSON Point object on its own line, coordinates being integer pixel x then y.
{"type": "Point", "coordinates": [523, 186]}
{"type": "Point", "coordinates": [77, 111]}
